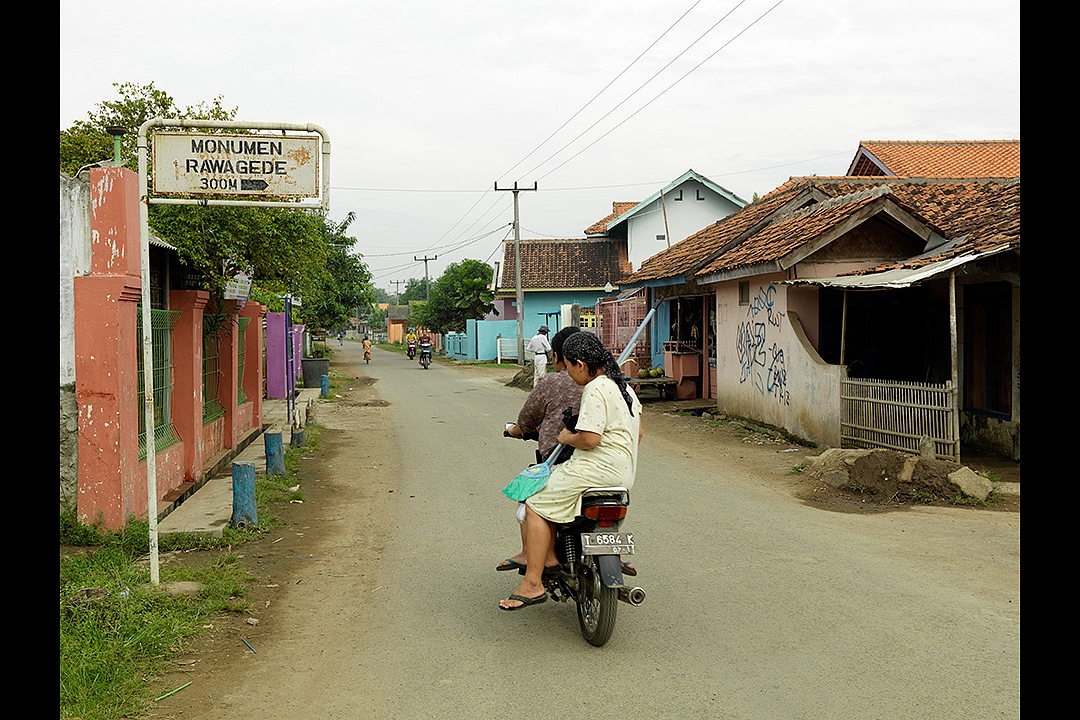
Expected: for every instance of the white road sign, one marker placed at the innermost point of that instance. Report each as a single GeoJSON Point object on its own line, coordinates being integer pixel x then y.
{"type": "Point", "coordinates": [217, 164]}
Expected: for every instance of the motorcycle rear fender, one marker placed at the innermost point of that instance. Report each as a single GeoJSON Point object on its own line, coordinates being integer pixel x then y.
{"type": "Point", "coordinates": [610, 570]}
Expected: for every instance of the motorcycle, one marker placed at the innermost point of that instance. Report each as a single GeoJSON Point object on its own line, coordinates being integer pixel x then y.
{"type": "Point", "coordinates": [367, 356]}
{"type": "Point", "coordinates": [590, 570]}
{"type": "Point", "coordinates": [411, 352]}
{"type": "Point", "coordinates": [425, 353]}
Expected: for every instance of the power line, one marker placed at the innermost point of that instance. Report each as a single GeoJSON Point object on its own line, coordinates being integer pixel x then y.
{"type": "Point", "coordinates": [604, 89]}
{"type": "Point", "coordinates": [559, 129]}
{"type": "Point", "coordinates": [446, 249]}
{"type": "Point", "coordinates": [636, 91]}
{"type": "Point", "coordinates": [665, 90]}
{"type": "Point", "coordinates": [650, 183]}
{"type": "Point", "coordinates": [606, 115]}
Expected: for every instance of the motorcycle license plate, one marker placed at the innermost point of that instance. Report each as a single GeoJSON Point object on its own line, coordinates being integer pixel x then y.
{"type": "Point", "coordinates": [619, 543]}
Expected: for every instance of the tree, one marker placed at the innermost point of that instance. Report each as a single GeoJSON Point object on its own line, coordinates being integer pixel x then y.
{"type": "Point", "coordinates": [285, 251]}
{"type": "Point", "coordinates": [345, 285]}
{"type": "Point", "coordinates": [461, 293]}
{"type": "Point", "coordinates": [414, 290]}
{"type": "Point", "coordinates": [86, 141]}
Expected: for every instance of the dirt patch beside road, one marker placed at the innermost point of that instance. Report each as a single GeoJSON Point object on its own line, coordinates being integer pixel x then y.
{"type": "Point", "coordinates": [340, 529]}
{"type": "Point", "coordinates": [874, 485]}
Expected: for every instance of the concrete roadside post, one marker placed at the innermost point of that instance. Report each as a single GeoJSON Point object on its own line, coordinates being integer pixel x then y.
{"type": "Point", "coordinates": [244, 508]}
{"type": "Point", "coordinates": [325, 386]}
{"type": "Point", "coordinates": [275, 453]}
{"type": "Point", "coordinates": [297, 437]}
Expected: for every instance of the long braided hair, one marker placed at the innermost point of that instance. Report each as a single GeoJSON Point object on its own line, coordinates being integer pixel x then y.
{"type": "Point", "coordinates": [587, 348]}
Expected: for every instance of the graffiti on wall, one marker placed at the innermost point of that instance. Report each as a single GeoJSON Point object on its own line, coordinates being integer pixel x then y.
{"type": "Point", "coordinates": [760, 363]}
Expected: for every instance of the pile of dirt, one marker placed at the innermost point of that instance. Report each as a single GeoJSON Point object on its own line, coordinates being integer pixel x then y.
{"type": "Point", "coordinates": [523, 380]}
{"type": "Point", "coordinates": [887, 479]}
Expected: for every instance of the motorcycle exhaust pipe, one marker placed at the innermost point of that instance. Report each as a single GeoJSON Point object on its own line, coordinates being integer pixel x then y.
{"type": "Point", "coordinates": [632, 596]}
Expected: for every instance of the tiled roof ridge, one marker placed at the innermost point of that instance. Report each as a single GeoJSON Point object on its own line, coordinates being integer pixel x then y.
{"type": "Point", "coordinates": [894, 179]}
{"type": "Point", "coordinates": [618, 207]}
{"type": "Point", "coordinates": [880, 190]}
{"type": "Point", "coordinates": [559, 240]}
{"type": "Point", "coordinates": [940, 142]}
{"type": "Point", "coordinates": [903, 180]}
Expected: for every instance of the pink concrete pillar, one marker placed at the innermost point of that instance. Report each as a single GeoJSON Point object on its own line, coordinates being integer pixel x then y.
{"type": "Point", "coordinates": [253, 363]}
{"type": "Point", "coordinates": [187, 392]}
{"type": "Point", "coordinates": [112, 485]}
{"type": "Point", "coordinates": [229, 368]}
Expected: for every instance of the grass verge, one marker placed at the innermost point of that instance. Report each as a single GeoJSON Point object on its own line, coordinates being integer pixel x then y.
{"type": "Point", "coordinates": [117, 630]}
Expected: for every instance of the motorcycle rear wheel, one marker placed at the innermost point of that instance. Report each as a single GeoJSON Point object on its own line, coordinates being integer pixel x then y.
{"type": "Point", "coordinates": [597, 604]}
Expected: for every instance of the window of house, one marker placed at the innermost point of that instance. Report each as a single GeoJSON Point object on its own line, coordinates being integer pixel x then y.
{"type": "Point", "coordinates": [744, 292]}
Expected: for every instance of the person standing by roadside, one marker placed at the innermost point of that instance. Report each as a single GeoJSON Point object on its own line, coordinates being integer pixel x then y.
{"type": "Point", "coordinates": [541, 350]}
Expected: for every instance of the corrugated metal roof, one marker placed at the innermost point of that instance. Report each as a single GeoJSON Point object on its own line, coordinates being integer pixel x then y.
{"type": "Point", "coordinates": [898, 277]}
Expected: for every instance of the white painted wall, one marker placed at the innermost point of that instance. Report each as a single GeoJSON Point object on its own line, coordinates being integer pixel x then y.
{"type": "Point", "coordinates": [767, 369]}
{"type": "Point", "coordinates": [684, 218]}
{"type": "Point", "coordinates": [74, 261]}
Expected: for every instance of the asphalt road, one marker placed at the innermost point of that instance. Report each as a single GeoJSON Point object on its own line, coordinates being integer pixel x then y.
{"type": "Point", "coordinates": [758, 605]}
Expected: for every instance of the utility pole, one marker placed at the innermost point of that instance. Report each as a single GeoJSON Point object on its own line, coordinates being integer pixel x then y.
{"type": "Point", "coordinates": [517, 266]}
{"type": "Point", "coordinates": [397, 290]}
{"type": "Point", "coordinates": [427, 283]}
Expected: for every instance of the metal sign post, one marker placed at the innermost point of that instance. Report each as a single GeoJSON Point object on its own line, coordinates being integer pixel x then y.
{"type": "Point", "coordinates": [254, 166]}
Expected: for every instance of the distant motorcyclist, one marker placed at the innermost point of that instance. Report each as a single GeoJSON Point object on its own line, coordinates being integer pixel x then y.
{"type": "Point", "coordinates": [425, 347]}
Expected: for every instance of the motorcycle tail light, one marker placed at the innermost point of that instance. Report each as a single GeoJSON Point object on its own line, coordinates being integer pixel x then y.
{"type": "Point", "coordinates": [605, 513]}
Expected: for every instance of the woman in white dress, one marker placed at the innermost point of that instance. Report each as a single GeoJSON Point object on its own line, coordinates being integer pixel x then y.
{"type": "Point", "coordinates": [605, 453]}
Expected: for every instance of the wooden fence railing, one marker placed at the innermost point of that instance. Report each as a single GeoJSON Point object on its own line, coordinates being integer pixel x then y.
{"type": "Point", "coordinates": [897, 415]}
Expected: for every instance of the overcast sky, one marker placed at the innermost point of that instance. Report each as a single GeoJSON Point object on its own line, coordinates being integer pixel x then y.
{"type": "Point", "coordinates": [429, 102]}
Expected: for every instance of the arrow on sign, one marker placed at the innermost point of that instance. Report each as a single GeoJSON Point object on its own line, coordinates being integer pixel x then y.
{"type": "Point", "coordinates": [253, 184]}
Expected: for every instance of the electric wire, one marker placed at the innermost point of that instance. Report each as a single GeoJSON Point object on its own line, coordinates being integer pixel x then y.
{"type": "Point", "coordinates": [636, 91]}
{"type": "Point", "coordinates": [436, 246]}
{"type": "Point", "coordinates": [603, 89]}
{"type": "Point", "coordinates": [665, 90]}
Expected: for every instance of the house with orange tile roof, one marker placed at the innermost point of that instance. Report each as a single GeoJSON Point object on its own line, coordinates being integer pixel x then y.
{"type": "Point", "coordinates": [827, 289]}
{"type": "Point", "coordinates": [556, 273]}
{"type": "Point", "coordinates": [937, 158]}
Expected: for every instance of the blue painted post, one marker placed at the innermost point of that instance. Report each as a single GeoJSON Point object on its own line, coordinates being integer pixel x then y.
{"type": "Point", "coordinates": [325, 385]}
{"type": "Point", "coordinates": [297, 438]}
{"type": "Point", "coordinates": [275, 454]}
{"type": "Point", "coordinates": [243, 482]}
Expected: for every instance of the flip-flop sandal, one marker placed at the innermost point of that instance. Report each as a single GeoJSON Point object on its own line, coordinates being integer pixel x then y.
{"type": "Point", "coordinates": [628, 569]}
{"type": "Point", "coordinates": [525, 601]}
{"type": "Point", "coordinates": [509, 564]}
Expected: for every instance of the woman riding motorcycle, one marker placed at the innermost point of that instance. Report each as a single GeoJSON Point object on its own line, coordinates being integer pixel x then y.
{"type": "Point", "coordinates": [605, 454]}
